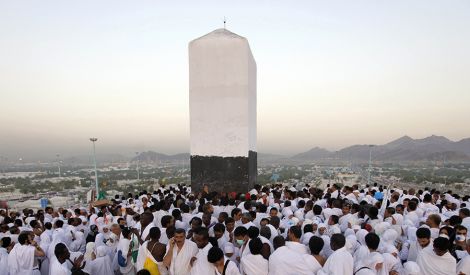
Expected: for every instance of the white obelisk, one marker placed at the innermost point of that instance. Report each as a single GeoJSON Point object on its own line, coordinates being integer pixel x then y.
{"type": "Point", "coordinates": [222, 99]}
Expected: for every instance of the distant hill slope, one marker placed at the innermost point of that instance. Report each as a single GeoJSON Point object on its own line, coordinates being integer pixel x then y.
{"type": "Point", "coordinates": [151, 156]}
{"type": "Point", "coordinates": [314, 153]}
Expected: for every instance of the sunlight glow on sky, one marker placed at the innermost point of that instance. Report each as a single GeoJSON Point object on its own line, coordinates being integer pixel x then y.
{"type": "Point", "coordinates": [330, 73]}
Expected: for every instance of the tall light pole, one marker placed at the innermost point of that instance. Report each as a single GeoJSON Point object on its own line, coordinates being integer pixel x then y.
{"type": "Point", "coordinates": [21, 163]}
{"type": "Point", "coordinates": [96, 170]}
{"type": "Point", "coordinates": [58, 162]}
{"type": "Point", "coordinates": [138, 174]}
{"type": "Point", "coordinates": [370, 163]}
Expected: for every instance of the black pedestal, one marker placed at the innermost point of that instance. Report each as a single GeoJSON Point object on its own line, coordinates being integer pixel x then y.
{"type": "Point", "coordinates": [224, 174]}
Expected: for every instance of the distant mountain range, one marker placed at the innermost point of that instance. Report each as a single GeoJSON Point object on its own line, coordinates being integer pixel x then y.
{"type": "Point", "coordinates": [403, 149]}
{"type": "Point", "coordinates": [432, 148]}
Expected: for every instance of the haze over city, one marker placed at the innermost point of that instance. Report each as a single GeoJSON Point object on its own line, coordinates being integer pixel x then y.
{"type": "Point", "coordinates": [329, 74]}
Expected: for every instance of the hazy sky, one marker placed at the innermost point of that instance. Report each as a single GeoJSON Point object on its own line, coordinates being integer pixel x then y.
{"type": "Point", "coordinates": [330, 73]}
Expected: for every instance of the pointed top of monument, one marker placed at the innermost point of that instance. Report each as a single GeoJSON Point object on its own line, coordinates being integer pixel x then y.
{"type": "Point", "coordinates": [220, 33]}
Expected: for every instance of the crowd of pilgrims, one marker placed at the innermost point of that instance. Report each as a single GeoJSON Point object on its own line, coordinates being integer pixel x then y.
{"type": "Point", "coordinates": [274, 230]}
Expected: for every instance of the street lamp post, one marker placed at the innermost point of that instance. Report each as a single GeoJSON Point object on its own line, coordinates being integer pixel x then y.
{"type": "Point", "coordinates": [370, 163]}
{"type": "Point", "coordinates": [96, 170]}
{"type": "Point", "coordinates": [58, 162]}
{"type": "Point", "coordinates": [138, 174]}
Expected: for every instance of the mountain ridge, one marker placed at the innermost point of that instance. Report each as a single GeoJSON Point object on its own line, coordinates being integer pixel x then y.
{"type": "Point", "coordinates": [405, 148]}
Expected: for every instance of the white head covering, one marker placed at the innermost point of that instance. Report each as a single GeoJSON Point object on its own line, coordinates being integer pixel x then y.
{"type": "Point", "coordinates": [102, 264]}
{"type": "Point", "coordinates": [389, 236]}
{"type": "Point", "coordinates": [387, 241]}
{"type": "Point", "coordinates": [398, 223]}
{"type": "Point", "coordinates": [351, 243]}
{"type": "Point", "coordinates": [90, 247]}
{"type": "Point", "coordinates": [102, 227]}
{"type": "Point", "coordinates": [101, 251]}
{"type": "Point", "coordinates": [322, 225]}
{"type": "Point", "coordinates": [79, 239]}
{"type": "Point", "coordinates": [411, 268]}
{"type": "Point", "coordinates": [381, 227]}
{"type": "Point", "coordinates": [228, 248]}
{"type": "Point", "coordinates": [58, 236]}
{"type": "Point", "coordinates": [361, 236]}
{"type": "Point", "coordinates": [113, 240]}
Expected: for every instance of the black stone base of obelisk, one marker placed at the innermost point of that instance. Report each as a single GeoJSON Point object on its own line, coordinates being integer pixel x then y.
{"type": "Point", "coordinates": [224, 174]}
